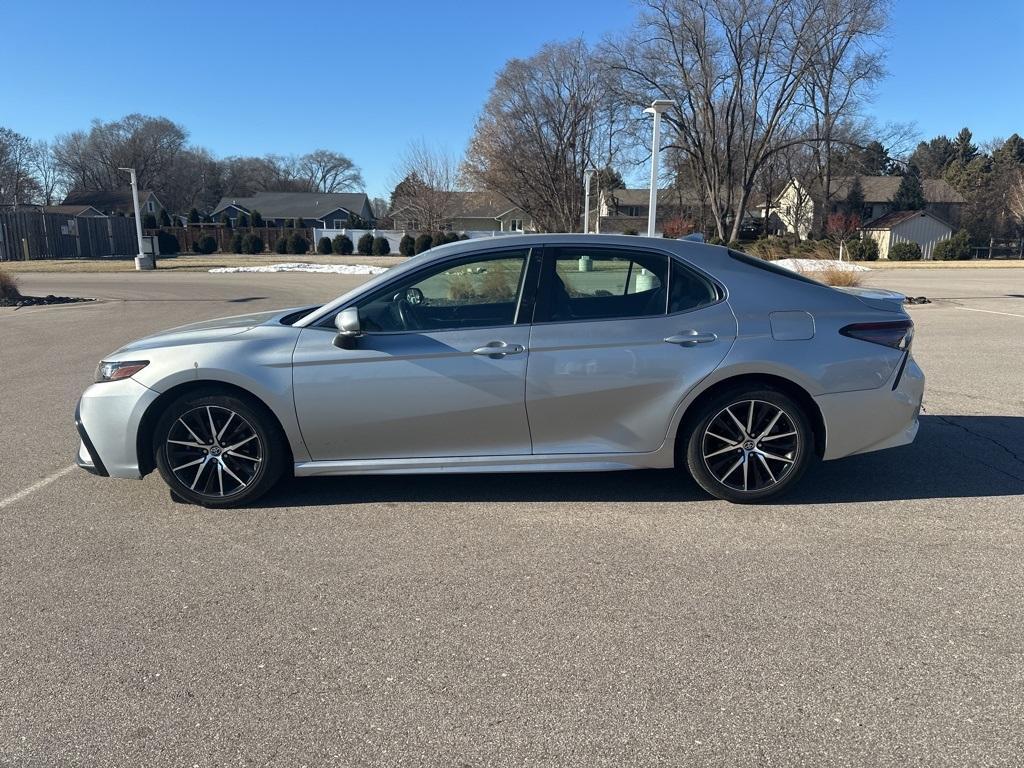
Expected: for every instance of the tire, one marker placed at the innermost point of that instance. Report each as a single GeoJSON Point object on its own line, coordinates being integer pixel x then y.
{"type": "Point", "coordinates": [741, 466]}
{"type": "Point", "coordinates": [244, 459]}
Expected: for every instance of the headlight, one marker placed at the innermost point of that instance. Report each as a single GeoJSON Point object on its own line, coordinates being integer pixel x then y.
{"type": "Point", "coordinates": [119, 370]}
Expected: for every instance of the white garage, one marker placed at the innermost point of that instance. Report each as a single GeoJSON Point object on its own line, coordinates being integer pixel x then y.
{"type": "Point", "coordinates": [921, 227]}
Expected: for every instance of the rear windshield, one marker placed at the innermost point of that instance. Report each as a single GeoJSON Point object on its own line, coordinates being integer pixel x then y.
{"type": "Point", "coordinates": [767, 266]}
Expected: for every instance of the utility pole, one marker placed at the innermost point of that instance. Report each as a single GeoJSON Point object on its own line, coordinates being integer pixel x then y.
{"type": "Point", "coordinates": [657, 108]}
{"type": "Point", "coordinates": [587, 175]}
{"type": "Point", "coordinates": [142, 261]}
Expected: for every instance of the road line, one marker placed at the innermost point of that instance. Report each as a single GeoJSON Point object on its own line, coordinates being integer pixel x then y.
{"type": "Point", "coordinates": [989, 311]}
{"type": "Point", "coordinates": [36, 486]}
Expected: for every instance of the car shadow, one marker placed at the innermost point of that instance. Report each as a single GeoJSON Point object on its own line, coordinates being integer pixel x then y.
{"type": "Point", "coordinates": [952, 457]}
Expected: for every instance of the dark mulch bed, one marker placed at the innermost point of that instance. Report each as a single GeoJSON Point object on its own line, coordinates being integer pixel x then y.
{"type": "Point", "coordinates": [38, 301]}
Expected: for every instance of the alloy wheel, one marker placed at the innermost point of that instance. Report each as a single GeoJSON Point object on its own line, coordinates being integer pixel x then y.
{"type": "Point", "coordinates": [214, 451]}
{"type": "Point", "coordinates": [750, 445]}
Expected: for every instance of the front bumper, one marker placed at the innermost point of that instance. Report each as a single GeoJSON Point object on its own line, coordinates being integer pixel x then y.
{"type": "Point", "coordinates": [874, 419]}
{"type": "Point", "coordinates": [108, 417]}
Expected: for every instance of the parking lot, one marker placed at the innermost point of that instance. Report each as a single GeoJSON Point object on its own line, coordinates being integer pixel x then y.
{"type": "Point", "coordinates": [876, 617]}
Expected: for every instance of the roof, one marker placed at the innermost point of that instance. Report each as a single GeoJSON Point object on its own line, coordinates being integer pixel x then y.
{"type": "Point", "coordinates": [289, 205]}
{"type": "Point", "coordinates": [882, 189]}
{"type": "Point", "coordinates": [665, 196]}
{"type": "Point", "coordinates": [107, 199]}
{"type": "Point", "coordinates": [473, 205]}
{"type": "Point", "coordinates": [72, 210]}
{"type": "Point", "coordinates": [895, 218]}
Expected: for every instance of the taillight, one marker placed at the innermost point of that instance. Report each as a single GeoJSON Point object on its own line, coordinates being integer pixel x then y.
{"type": "Point", "coordinates": [896, 333]}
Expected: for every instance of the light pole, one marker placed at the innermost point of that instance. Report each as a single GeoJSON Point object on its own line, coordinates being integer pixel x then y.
{"type": "Point", "coordinates": [657, 108]}
{"type": "Point", "coordinates": [142, 261]}
{"type": "Point", "coordinates": [587, 175]}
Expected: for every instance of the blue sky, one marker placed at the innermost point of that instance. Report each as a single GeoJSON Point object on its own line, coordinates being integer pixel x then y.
{"type": "Point", "coordinates": [365, 78]}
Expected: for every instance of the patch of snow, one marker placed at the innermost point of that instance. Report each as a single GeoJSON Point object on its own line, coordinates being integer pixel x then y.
{"type": "Point", "coordinates": [820, 265]}
{"type": "Point", "coordinates": [326, 269]}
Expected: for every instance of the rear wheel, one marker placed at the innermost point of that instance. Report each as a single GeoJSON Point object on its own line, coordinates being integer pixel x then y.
{"type": "Point", "coordinates": [218, 450]}
{"type": "Point", "coordinates": [749, 445]}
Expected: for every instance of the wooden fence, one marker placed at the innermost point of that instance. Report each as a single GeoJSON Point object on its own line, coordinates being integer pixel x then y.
{"type": "Point", "coordinates": [36, 235]}
{"type": "Point", "coordinates": [188, 236]}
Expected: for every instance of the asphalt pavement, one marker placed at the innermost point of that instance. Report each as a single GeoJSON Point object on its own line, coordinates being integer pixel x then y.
{"type": "Point", "coordinates": [874, 618]}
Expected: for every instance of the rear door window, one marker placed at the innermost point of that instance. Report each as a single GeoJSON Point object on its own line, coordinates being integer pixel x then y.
{"type": "Point", "coordinates": [603, 284]}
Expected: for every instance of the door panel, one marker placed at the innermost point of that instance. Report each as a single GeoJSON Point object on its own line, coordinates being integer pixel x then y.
{"type": "Point", "coordinates": [611, 385]}
{"type": "Point", "coordinates": [411, 395]}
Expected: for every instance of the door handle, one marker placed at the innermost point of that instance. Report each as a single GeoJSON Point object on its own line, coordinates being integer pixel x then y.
{"type": "Point", "coordinates": [691, 338]}
{"type": "Point", "coordinates": [498, 349]}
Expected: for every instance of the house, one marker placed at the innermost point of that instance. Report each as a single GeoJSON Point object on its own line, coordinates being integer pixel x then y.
{"type": "Point", "coordinates": [921, 227]}
{"type": "Point", "coordinates": [470, 212]}
{"type": "Point", "coordinates": [328, 210]}
{"type": "Point", "coordinates": [793, 210]}
{"type": "Point", "coordinates": [116, 202]}
{"type": "Point", "coordinates": [625, 210]}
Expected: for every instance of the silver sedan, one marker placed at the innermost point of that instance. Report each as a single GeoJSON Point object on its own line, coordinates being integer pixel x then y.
{"type": "Point", "coordinates": [515, 354]}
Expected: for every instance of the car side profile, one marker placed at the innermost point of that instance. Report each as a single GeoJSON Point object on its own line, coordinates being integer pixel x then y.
{"type": "Point", "coordinates": [519, 354]}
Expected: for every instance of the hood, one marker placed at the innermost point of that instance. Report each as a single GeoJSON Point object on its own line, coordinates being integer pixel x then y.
{"type": "Point", "coordinates": [877, 298]}
{"type": "Point", "coordinates": [206, 331]}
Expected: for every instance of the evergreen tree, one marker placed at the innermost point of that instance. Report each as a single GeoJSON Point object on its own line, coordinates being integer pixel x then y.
{"type": "Point", "coordinates": [193, 217]}
{"type": "Point", "coordinates": [257, 219]}
{"type": "Point", "coordinates": [225, 220]}
{"type": "Point", "coordinates": [855, 197]}
{"type": "Point", "coordinates": [299, 223]}
{"type": "Point", "coordinates": [243, 220]}
{"type": "Point", "coordinates": [910, 195]}
{"type": "Point", "coordinates": [964, 150]}
{"type": "Point", "coordinates": [165, 220]}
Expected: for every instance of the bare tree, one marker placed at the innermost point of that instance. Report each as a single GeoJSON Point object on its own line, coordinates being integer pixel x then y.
{"type": "Point", "coordinates": [548, 118]}
{"type": "Point", "coordinates": [48, 173]}
{"type": "Point", "coordinates": [843, 67]}
{"type": "Point", "coordinates": [91, 159]}
{"type": "Point", "coordinates": [329, 171]}
{"type": "Point", "coordinates": [427, 182]}
{"type": "Point", "coordinates": [736, 71]}
{"type": "Point", "coordinates": [18, 186]}
{"type": "Point", "coordinates": [1015, 198]}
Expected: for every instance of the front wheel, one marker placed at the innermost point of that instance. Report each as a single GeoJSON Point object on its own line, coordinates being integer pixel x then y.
{"type": "Point", "coordinates": [749, 445]}
{"type": "Point", "coordinates": [218, 450]}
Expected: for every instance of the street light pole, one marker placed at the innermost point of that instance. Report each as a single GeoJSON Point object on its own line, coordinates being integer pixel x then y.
{"type": "Point", "coordinates": [657, 108]}
{"type": "Point", "coordinates": [142, 261]}
{"type": "Point", "coordinates": [587, 174]}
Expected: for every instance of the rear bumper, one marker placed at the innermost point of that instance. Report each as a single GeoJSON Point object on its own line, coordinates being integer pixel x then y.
{"type": "Point", "coordinates": [874, 419]}
{"type": "Point", "coordinates": [107, 418]}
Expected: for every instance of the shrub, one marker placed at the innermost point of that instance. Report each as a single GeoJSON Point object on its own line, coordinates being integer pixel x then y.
{"type": "Point", "coordinates": [342, 244]}
{"type": "Point", "coordinates": [281, 245]}
{"type": "Point", "coordinates": [423, 243]}
{"type": "Point", "coordinates": [862, 250]}
{"type": "Point", "coordinates": [381, 246]}
{"type": "Point", "coordinates": [716, 240]}
{"type": "Point", "coordinates": [905, 251]}
{"type": "Point", "coordinates": [242, 220]}
{"type": "Point", "coordinates": [257, 219]}
{"type": "Point", "coordinates": [323, 246]}
{"type": "Point", "coordinates": [299, 223]}
{"type": "Point", "coordinates": [407, 245]}
{"type": "Point", "coordinates": [167, 243]}
{"type": "Point", "coordinates": [365, 245]}
{"type": "Point", "coordinates": [8, 286]}
{"type": "Point", "coordinates": [206, 244]}
{"type": "Point", "coordinates": [148, 221]}
{"type": "Point", "coordinates": [165, 220]}
{"type": "Point", "coordinates": [252, 243]}
{"type": "Point", "coordinates": [463, 236]}
{"type": "Point", "coordinates": [958, 247]}
{"type": "Point", "coordinates": [289, 223]}
{"type": "Point", "coordinates": [194, 217]}
{"type": "Point", "coordinates": [225, 220]}
{"type": "Point", "coordinates": [630, 231]}
{"type": "Point", "coordinates": [297, 243]}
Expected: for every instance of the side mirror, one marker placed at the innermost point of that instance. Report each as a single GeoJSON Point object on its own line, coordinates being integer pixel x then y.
{"type": "Point", "coordinates": [349, 330]}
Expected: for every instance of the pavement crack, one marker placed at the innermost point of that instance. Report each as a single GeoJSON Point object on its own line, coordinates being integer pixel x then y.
{"type": "Point", "coordinates": [1018, 458]}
